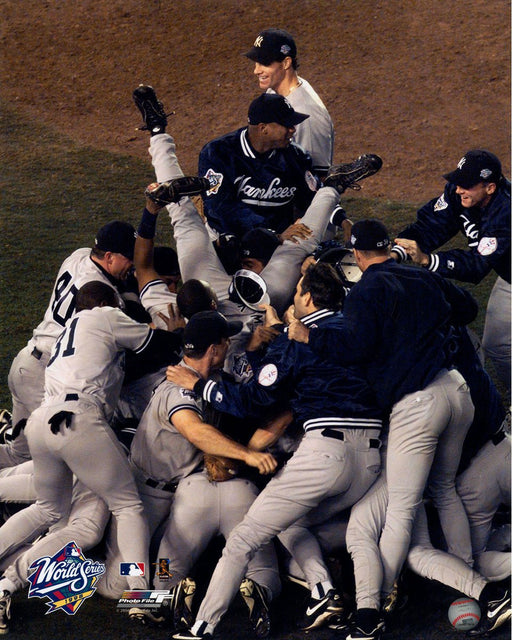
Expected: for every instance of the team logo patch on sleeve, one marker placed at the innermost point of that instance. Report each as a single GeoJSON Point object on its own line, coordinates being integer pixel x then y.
{"type": "Point", "coordinates": [486, 246]}
{"type": "Point", "coordinates": [268, 375]}
{"type": "Point", "coordinates": [215, 181]}
{"type": "Point", "coordinates": [440, 204]}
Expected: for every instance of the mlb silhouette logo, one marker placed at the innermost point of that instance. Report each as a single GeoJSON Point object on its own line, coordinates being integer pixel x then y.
{"type": "Point", "coordinates": [131, 569]}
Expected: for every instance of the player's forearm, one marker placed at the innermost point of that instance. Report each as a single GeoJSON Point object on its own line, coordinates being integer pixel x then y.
{"type": "Point", "coordinates": [210, 440]}
{"type": "Point", "coordinates": [144, 245]}
{"type": "Point", "coordinates": [269, 434]}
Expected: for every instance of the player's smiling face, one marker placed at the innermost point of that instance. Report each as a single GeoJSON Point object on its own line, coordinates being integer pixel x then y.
{"type": "Point", "coordinates": [271, 76]}
{"type": "Point", "coordinates": [477, 196]}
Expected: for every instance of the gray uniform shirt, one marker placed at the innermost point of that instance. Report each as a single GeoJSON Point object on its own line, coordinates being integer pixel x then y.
{"type": "Point", "coordinates": [316, 133]}
{"type": "Point", "coordinates": [158, 449]}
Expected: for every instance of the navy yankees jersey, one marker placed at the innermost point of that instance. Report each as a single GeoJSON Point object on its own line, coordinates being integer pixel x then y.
{"type": "Point", "coordinates": [487, 231]}
{"type": "Point", "coordinates": [320, 393]}
{"type": "Point", "coordinates": [249, 189]}
{"type": "Point", "coordinates": [397, 323]}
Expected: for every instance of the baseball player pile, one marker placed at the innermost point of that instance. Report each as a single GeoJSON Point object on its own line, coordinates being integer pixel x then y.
{"type": "Point", "coordinates": [282, 374]}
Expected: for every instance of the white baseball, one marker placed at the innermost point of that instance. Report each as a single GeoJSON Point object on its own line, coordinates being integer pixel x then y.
{"type": "Point", "coordinates": [464, 613]}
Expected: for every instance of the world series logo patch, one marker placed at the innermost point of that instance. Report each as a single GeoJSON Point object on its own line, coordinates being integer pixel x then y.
{"type": "Point", "coordinates": [67, 579]}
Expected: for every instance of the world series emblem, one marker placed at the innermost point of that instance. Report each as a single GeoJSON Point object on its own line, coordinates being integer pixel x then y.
{"type": "Point", "coordinates": [67, 579]}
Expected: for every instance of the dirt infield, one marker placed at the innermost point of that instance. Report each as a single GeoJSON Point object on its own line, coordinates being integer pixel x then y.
{"type": "Point", "coordinates": [417, 81]}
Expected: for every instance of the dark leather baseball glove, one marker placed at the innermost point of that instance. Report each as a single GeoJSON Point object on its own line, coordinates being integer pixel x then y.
{"type": "Point", "coordinates": [219, 468]}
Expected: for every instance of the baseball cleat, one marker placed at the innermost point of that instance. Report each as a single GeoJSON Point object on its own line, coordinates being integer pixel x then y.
{"type": "Point", "coordinates": [394, 602]}
{"type": "Point", "coordinates": [367, 625]}
{"type": "Point", "coordinates": [181, 604]}
{"type": "Point", "coordinates": [347, 176]}
{"type": "Point", "coordinates": [143, 616]}
{"type": "Point", "coordinates": [5, 612]}
{"type": "Point", "coordinates": [497, 613]}
{"type": "Point", "coordinates": [256, 600]}
{"type": "Point", "coordinates": [152, 110]}
{"type": "Point", "coordinates": [173, 190]}
{"type": "Point", "coordinates": [321, 612]}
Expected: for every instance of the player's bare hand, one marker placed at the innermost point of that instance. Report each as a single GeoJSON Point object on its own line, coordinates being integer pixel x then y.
{"type": "Point", "coordinates": [298, 332]}
{"type": "Point", "coordinates": [289, 315]}
{"type": "Point", "coordinates": [260, 337]}
{"type": "Point", "coordinates": [413, 251]}
{"type": "Point", "coordinates": [295, 232]}
{"type": "Point", "coordinates": [264, 462]}
{"type": "Point", "coordinates": [174, 320]}
{"type": "Point", "coordinates": [271, 317]}
{"type": "Point", "coordinates": [182, 377]}
{"type": "Point", "coordinates": [307, 263]}
{"type": "Point", "coordinates": [151, 206]}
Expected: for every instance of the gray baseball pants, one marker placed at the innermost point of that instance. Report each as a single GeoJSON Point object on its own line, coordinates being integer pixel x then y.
{"type": "Point", "coordinates": [426, 433]}
{"type": "Point", "coordinates": [321, 468]}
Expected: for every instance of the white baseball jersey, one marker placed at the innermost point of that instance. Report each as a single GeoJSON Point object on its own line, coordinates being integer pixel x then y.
{"type": "Point", "coordinates": [155, 298]}
{"type": "Point", "coordinates": [158, 449]}
{"type": "Point", "coordinates": [88, 356]}
{"type": "Point", "coordinates": [75, 271]}
{"type": "Point", "coordinates": [316, 133]}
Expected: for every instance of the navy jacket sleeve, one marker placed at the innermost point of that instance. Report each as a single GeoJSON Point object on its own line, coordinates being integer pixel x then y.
{"type": "Point", "coordinates": [266, 387]}
{"type": "Point", "coordinates": [487, 232]}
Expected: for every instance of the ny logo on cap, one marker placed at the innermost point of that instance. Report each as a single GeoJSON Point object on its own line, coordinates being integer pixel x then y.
{"type": "Point", "coordinates": [462, 161]}
{"type": "Point", "coordinates": [259, 41]}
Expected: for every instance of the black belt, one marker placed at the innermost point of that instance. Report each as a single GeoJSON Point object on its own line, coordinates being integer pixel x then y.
{"type": "Point", "coordinates": [498, 437]}
{"type": "Point", "coordinates": [71, 396]}
{"type": "Point", "coordinates": [339, 435]}
{"type": "Point", "coordinates": [36, 353]}
{"type": "Point", "coordinates": [164, 486]}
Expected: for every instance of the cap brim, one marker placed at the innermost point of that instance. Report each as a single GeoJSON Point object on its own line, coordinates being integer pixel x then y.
{"type": "Point", "coordinates": [295, 119]}
{"type": "Point", "coordinates": [256, 55]}
{"type": "Point", "coordinates": [457, 177]}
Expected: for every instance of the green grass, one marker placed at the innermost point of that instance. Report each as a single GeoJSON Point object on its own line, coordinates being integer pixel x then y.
{"type": "Point", "coordinates": [55, 195]}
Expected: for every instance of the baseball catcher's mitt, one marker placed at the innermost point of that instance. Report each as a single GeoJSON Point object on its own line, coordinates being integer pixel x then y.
{"type": "Point", "coordinates": [219, 468]}
{"type": "Point", "coordinates": [173, 190]}
{"type": "Point", "coordinates": [345, 176]}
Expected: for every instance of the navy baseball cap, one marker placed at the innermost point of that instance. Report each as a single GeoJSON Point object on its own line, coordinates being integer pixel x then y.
{"type": "Point", "coordinates": [118, 237]}
{"type": "Point", "coordinates": [477, 165]}
{"type": "Point", "coordinates": [272, 45]}
{"type": "Point", "coordinates": [259, 243]}
{"type": "Point", "coordinates": [369, 235]}
{"type": "Point", "coordinates": [271, 107]}
{"type": "Point", "coordinates": [249, 289]}
{"type": "Point", "coordinates": [208, 327]}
